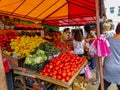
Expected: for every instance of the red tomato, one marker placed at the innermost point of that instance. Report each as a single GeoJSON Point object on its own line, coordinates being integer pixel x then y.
{"type": "Point", "coordinates": [72, 73]}
{"type": "Point", "coordinates": [63, 79]}
{"type": "Point", "coordinates": [48, 70]}
{"type": "Point", "coordinates": [46, 74]}
{"type": "Point", "coordinates": [59, 72]}
{"type": "Point", "coordinates": [50, 66]}
{"type": "Point", "coordinates": [67, 78]}
{"type": "Point", "coordinates": [61, 65]}
{"type": "Point", "coordinates": [54, 76]}
{"type": "Point", "coordinates": [47, 65]}
{"type": "Point", "coordinates": [68, 67]}
{"type": "Point", "coordinates": [59, 77]}
{"type": "Point", "coordinates": [54, 72]}
{"type": "Point", "coordinates": [57, 67]}
{"type": "Point", "coordinates": [64, 74]}
{"type": "Point", "coordinates": [51, 74]}
{"type": "Point", "coordinates": [71, 69]}
{"type": "Point", "coordinates": [69, 74]}
{"type": "Point", "coordinates": [68, 70]}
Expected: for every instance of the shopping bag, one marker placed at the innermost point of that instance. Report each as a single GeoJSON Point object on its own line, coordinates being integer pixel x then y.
{"type": "Point", "coordinates": [6, 65]}
{"type": "Point", "coordinates": [103, 48]}
{"type": "Point", "coordinates": [93, 48]}
{"type": "Point", "coordinates": [88, 73]}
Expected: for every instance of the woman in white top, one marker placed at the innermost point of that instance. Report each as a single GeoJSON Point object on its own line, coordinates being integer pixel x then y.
{"type": "Point", "coordinates": [78, 43]}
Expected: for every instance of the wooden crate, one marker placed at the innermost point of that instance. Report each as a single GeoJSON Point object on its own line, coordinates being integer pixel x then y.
{"type": "Point", "coordinates": [59, 82]}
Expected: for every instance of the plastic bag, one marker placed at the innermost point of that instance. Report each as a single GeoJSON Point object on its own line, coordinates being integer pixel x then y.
{"type": "Point", "coordinates": [93, 48]}
{"type": "Point", "coordinates": [6, 65]}
{"type": "Point", "coordinates": [87, 71]}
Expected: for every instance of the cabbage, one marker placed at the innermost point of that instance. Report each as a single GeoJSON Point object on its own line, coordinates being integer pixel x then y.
{"type": "Point", "coordinates": [38, 60]}
{"type": "Point", "coordinates": [27, 61]}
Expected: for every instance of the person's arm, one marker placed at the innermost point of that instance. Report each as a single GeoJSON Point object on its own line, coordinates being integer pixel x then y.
{"type": "Point", "coordinates": [85, 46]}
{"type": "Point", "coordinates": [74, 44]}
{"type": "Point", "coordinates": [93, 37]}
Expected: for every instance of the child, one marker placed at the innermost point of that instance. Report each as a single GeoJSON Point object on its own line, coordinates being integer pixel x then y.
{"type": "Point", "coordinates": [78, 43]}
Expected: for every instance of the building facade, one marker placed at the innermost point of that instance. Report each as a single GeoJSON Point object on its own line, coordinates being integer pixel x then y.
{"type": "Point", "coordinates": [112, 8]}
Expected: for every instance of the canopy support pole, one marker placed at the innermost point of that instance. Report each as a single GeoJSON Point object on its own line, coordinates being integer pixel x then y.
{"type": "Point", "coordinates": [99, 31]}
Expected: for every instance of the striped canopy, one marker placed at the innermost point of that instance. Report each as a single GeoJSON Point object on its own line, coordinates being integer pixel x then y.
{"type": "Point", "coordinates": [51, 12]}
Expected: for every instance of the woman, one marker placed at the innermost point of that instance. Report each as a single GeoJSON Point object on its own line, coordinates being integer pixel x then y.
{"type": "Point", "coordinates": [78, 43]}
{"type": "Point", "coordinates": [89, 34]}
{"type": "Point", "coordinates": [112, 62]}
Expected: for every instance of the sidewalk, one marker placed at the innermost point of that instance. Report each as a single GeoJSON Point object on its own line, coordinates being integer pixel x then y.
{"type": "Point", "coordinates": [95, 87]}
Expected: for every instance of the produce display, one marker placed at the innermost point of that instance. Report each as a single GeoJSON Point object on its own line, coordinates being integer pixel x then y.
{"type": "Point", "coordinates": [5, 39]}
{"type": "Point", "coordinates": [64, 66]}
{"type": "Point", "coordinates": [61, 46]}
{"type": "Point", "coordinates": [37, 58]}
{"type": "Point", "coordinates": [50, 50]}
{"type": "Point", "coordinates": [35, 50]}
{"type": "Point", "coordinates": [23, 46]}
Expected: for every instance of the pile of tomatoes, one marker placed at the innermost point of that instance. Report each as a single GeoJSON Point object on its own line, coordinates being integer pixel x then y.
{"type": "Point", "coordinates": [64, 66]}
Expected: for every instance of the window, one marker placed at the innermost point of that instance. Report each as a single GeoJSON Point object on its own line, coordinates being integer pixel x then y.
{"type": "Point", "coordinates": [118, 10]}
{"type": "Point", "coordinates": [111, 10]}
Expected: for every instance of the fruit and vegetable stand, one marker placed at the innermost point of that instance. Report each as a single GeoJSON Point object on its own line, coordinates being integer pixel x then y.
{"type": "Point", "coordinates": [30, 73]}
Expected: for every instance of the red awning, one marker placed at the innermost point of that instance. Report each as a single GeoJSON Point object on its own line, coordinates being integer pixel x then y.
{"type": "Point", "coordinates": [51, 12]}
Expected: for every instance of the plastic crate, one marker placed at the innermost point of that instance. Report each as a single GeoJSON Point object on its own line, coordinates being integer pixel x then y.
{"type": "Point", "coordinates": [36, 67]}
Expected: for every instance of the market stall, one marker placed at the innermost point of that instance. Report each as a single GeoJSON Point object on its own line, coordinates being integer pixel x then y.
{"type": "Point", "coordinates": [56, 13]}
{"type": "Point", "coordinates": [34, 74]}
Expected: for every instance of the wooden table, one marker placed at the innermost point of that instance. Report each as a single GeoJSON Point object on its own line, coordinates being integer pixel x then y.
{"type": "Point", "coordinates": [31, 73]}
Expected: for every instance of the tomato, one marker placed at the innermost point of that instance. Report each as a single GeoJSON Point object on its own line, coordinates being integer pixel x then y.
{"type": "Point", "coordinates": [54, 72]}
{"type": "Point", "coordinates": [69, 74]}
{"type": "Point", "coordinates": [68, 67]}
{"type": "Point", "coordinates": [63, 68]}
{"type": "Point", "coordinates": [61, 65]}
{"type": "Point", "coordinates": [44, 70]}
{"type": "Point", "coordinates": [66, 64]}
{"type": "Point", "coordinates": [50, 66]}
{"type": "Point", "coordinates": [59, 72]}
{"type": "Point", "coordinates": [72, 73]}
{"type": "Point", "coordinates": [57, 67]}
{"type": "Point", "coordinates": [75, 66]}
{"type": "Point", "coordinates": [46, 74]}
{"type": "Point", "coordinates": [59, 77]}
{"type": "Point", "coordinates": [64, 74]}
{"type": "Point", "coordinates": [63, 79]}
{"type": "Point", "coordinates": [51, 74]}
{"type": "Point", "coordinates": [75, 70]}
{"type": "Point", "coordinates": [47, 65]}
{"type": "Point", "coordinates": [54, 76]}
{"type": "Point", "coordinates": [48, 70]}
{"type": "Point", "coordinates": [68, 70]}
{"type": "Point", "coordinates": [71, 69]}
{"type": "Point", "coordinates": [58, 62]}
{"type": "Point", "coordinates": [67, 78]}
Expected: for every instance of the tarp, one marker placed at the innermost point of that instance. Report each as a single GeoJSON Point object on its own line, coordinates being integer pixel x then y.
{"type": "Point", "coordinates": [51, 12]}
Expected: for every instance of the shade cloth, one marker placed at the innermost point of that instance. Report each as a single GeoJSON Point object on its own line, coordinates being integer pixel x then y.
{"type": "Point", "coordinates": [51, 12]}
